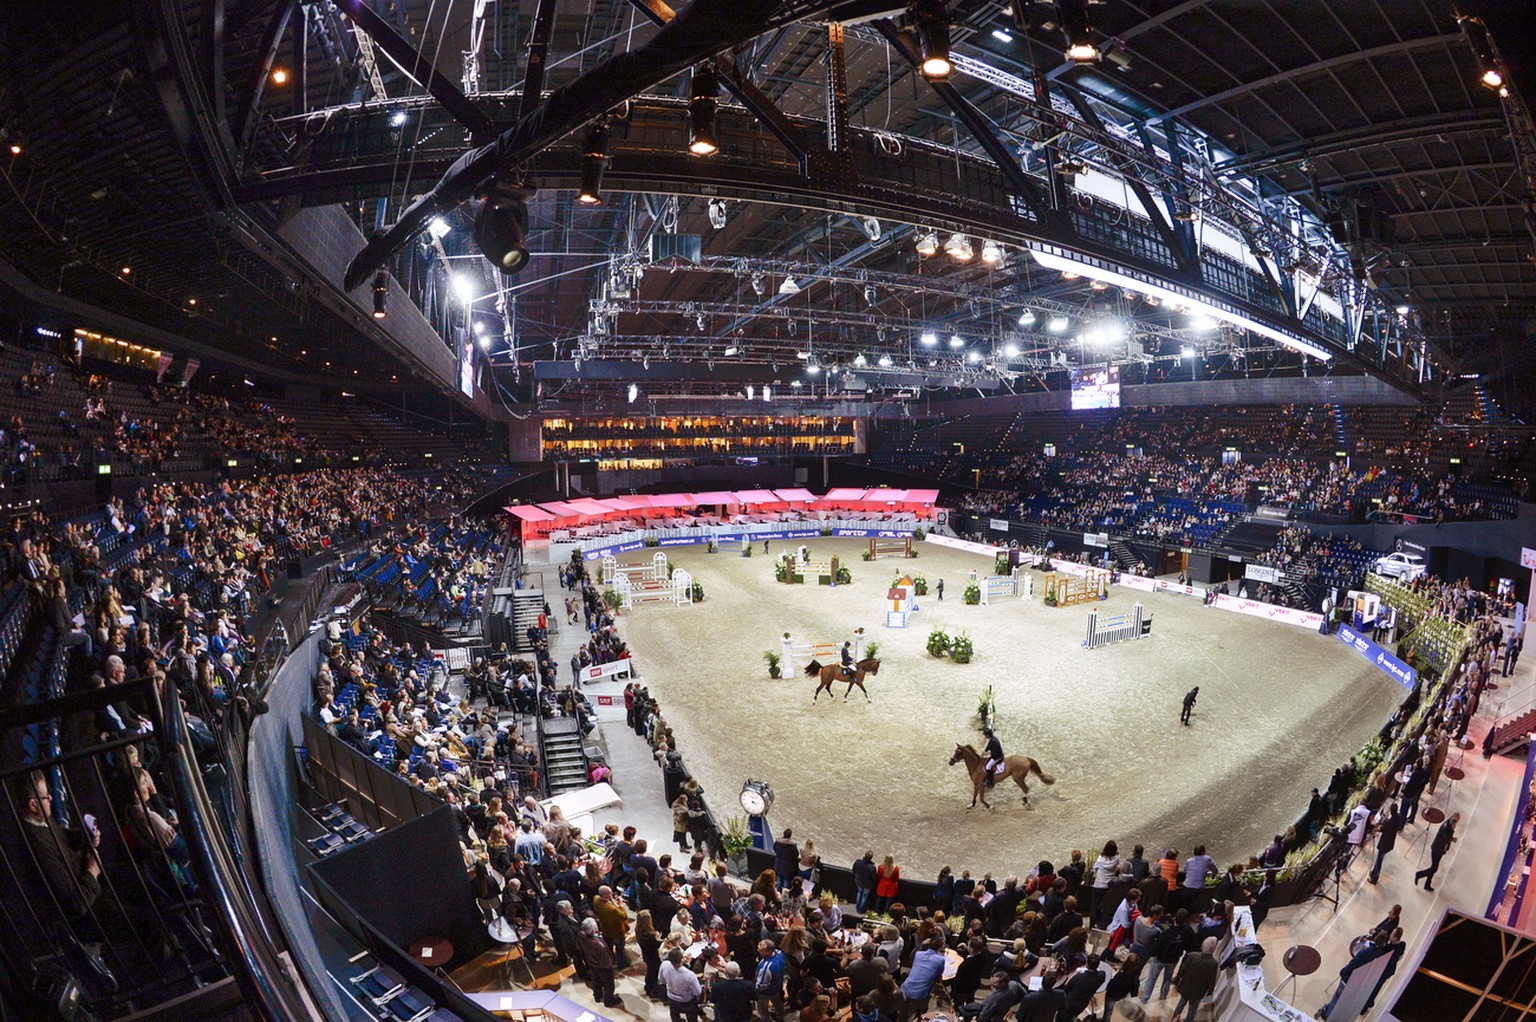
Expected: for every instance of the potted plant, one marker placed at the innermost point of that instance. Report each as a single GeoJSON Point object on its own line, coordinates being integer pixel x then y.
{"type": "Point", "coordinates": [919, 585]}
{"type": "Point", "coordinates": [651, 541]}
{"type": "Point", "coordinates": [844, 576]}
{"type": "Point", "coordinates": [775, 664]}
{"type": "Point", "coordinates": [960, 648]}
{"type": "Point", "coordinates": [746, 551]}
{"type": "Point", "coordinates": [1002, 567]}
{"type": "Point", "coordinates": [919, 532]}
{"type": "Point", "coordinates": [735, 838]}
{"type": "Point", "coordinates": [780, 571]}
{"type": "Point", "coordinates": [938, 642]}
{"type": "Point", "coordinates": [612, 599]}
{"type": "Point", "coordinates": [972, 595]}
{"type": "Point", "coordinates": [871, 650]}
{"type": "Point", "coordinates": [866, 556]}
{"type": "Point", "coordinates": [697, 592]}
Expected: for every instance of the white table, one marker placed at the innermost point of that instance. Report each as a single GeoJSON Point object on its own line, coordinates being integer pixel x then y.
{"type": "Point", "coordinates": [1240, 993]}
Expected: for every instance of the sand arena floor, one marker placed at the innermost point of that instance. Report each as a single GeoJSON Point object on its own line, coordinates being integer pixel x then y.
{"type": "Point", "coordinates": [1279, 708]}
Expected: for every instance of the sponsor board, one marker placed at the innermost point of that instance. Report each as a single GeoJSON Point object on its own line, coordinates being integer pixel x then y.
{"type": "Point", "coordinates": [986, 549]}
{"type": "Point", "coordinates": [1165, 586]}
{"type": "Point", "coordinates": [605, 700]}
{"type": "Point", "coordinates": [1262, 573]}
{"type": "Point", "coordinates": [1400, 672]}
{"type": "Point", "coordinates": [1255, 608]}
{"type": "Point", "coordinates": [1099, 539]}
{"type": "Point", "coordinates": [998, 524]}
{"type": "Point", "coordinates": [601, 672]}
{"type": "Point", "coordinates": [684, 540]}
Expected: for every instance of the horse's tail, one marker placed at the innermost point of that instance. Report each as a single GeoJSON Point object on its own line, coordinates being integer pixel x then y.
{"type": "Point", "coordinates": [1045, 778]}
{"type": "Point", "coordinates": [812, 669]}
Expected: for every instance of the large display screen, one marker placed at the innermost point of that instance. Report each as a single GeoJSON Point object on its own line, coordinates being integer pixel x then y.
{"type": "Point", "coordinates": [1096, 388]}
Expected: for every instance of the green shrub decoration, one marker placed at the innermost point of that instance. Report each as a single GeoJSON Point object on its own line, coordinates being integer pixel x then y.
{"type": "Point", "coordinates": [938, 642]}
{"type": "Point", "coordinates": [1002, 567]}
{"type": "Point", "coordinates": [972, 595]}
{"type": "Point", "coordinates": [697, 591]}
{"type": "Point", "coordinates": [960, 648]}
{"type": "Point", "coordinates": [919, 585]}
{"type": "Point", "coordinates": [871, 650]}
{"type": "Point", "coordinates": [780, 571]}
{"type": "Point", "coordinates": [865, 556]}
{"type": "Point", "coordinates": [844, 576]}
{"type": "Point", "coordinates": [919, 532]}
{"type": "Point", "coordinates": [775, 664]}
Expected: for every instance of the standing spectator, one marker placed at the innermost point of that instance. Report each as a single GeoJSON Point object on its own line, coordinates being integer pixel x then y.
{"type": "Point", "coordinates": [1189, 705]}
{"type": "Point", "coordinates": [786, 858]}
{"type": "Point", "coordinates": [1196, 979]}
{"type": "Point", "coordinates": [770, 982]}
{"type": "Point", "coordinates": [683, 988]}
{"type": "Point", "coordinates": [927, 969]}
{"type": "Point", "coordinates": [732, 996]}
{"type": "Point", "coordinates": [1121, 985]}
{"type": "Point", "coordinates": [1168, 947]}
{"type": "Point", "coordinates": [865, 876]}
{"type": "Point", "coordinates": [649, 942]}
{"type": "Point", "coordinates": [614, 923]}
{"type": "Point", "coordinates": [887, 884]}
{"type": "Point", "coordinates": [1438, 846]}
{"type": "Point", "coordinates": [1106, 870]}
{"type": "Point", "coordinates": [600, 964]}
{"type": "Point", "coordinates": [1386, 839]}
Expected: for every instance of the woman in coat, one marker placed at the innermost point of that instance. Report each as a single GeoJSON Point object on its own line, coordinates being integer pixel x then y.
{"type": "Point", "coordinates": [887, 883]}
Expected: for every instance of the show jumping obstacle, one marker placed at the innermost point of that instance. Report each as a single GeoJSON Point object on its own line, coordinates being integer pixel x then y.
{"type": "Point", "coordinates": [799, 567]}
{"type": "Point", "coordinates": [1070, 589]}
{"type": "Point", "coordinates": [995, 587]}
{"type": "Point", "coordinates": [903, 600]}
{"type": "Point", "coordinates": [808, 651]}
{"type": "Point", "coordinates": [1116, 627]}
{"type": "Point", "coordinates": [678, 590]}
{"type": "Point", "coordinates": [656, 571]}
{"type": "Point", "coordinates": [889, 546]}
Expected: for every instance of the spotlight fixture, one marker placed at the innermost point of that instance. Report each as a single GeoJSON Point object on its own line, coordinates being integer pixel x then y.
{"type": "Point", "coordinates": [126, 270]}
{"type": "Point", "coordinates": [502, 225]}
{"type": "Point", "coordinates": [1073, 15]}
{"type": "Point", "coordinates": [1186, 214]}
{"type": "Point", "coordinates": [438, 227]}
{"type": "Point", "coordinates": [751, 390]}
{"type": "Point", "coordinates": [717, 213]}
{"type": "Point", "coordinates": [789, 287]}
{"type": "Point", "coordinates": [1057, 324]}
{"type": "Point", "coordinates": [974, 356]}
{"type": "Point", "coordinates": [1011, 350]}
{"type": "Point", "coordinates": [958, 247]}
{"type": "Point", "coordinates": [927, 244]}
{"type": "Point", "coordinates": [1493, 78]}
{"type": "Point", "coordinates": [731, 350]}
{"type": "Point", "coordinates": [594, 160]}
{"type": "Point", "coordinates": [869, 294]}
{"type": "Point", "coordinates": [279, 76]}
{"type": "Point", "coordinates": [757, 283]}
{"type": "Point", "coordinates": [464, 287]}
{"type": "Point", "coordinates": [634, 392]}
{"type": "Point", "coordinates": [15, 149]}
{"type": "Point", "coordinates": [397, 119]}
{"type": "Point", "coordinates": [871, 227]}
{"type": "Point", "coordinates": [1027, 318]}
{"type": "Point", "coordinates": [1403, 310]}
{"type": "Point", "coordinates": [767, 393]}
{"type": "Point", "coordinates": [928, 338]}
{"type": "Point", "coordinates": [1098, 286]}
{"type": "Point", "coordinates": [931, 19]}
{"type": "Point", "coordinates": [991, 252]}
{"type": "Point", "coordinates": [956, 341]}
{"type": "Point", "coordinates": [885, 361]}
{"type": "Point", "coordinates": [704, 97]}
{"type": "Point", "coordinates": [380, 294]}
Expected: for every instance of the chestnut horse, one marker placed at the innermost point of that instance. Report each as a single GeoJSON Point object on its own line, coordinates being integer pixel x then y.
{"type": "Point", "coordinates": [1016, 769]}
{"type": "Point", "coordinates": [831, 674]}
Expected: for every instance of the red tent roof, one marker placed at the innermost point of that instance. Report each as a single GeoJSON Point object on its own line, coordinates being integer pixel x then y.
{"type": "Point", "coordinates": [561, 509]}
{"type": "Point", "coordinates": [672, 500]}
{"type": "Point", "coordinates": [528, 513]}
{"type": "Point", "coordinates": [758, 497]}
{"type": "Point", "coordinates": [588, 506]}
{"type": "Point", "coordinates": [796, 495]}
{"type": "Point", "coordinates": [922, 496]}
{"type": "Point", "coordinates": [843, 495]}
{"type": "Point", "coordinates": [886, 496]}
{"type": "Point", "coordinates": [715, 497]}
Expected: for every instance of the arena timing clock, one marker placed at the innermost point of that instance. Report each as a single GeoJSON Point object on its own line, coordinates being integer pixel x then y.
{"type": "Point", "coordinates": [756, 797]}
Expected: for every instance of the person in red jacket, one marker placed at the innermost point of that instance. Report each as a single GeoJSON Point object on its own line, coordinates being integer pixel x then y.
{"type": "Point", "coordinates": [887, 883]}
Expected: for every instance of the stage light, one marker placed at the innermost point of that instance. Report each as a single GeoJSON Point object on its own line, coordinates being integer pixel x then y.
{"type": "Point", "coordinates": [502, 225]}
{"type": "Point", "coordinates": [885, 361]}
{"type": "Point", "coordinates": [1057, 324]}
{"type": "Point", "coordinates": [380, 294]}
{"type": "Point", "coordinates": [931, 18]}
{"type": "Point", "coordinates": [956, 341]}
{"type": "Point", "coordinates": [126, 270]}
{"type": "Point", "coordinates": [1403, 310]}
{"type": "Point", "coordinates": [869, 294]}
{"type": "Point", "coordinates": [1493, 78]}
{"type": "Point", "coordinates": [397, 119]}
{"type": "Point", "coordinates": [1027, 318]}
{"type": "Point", "coordinates": [927, 244]}
{"type": "Point", "coordinates": [464, 287]}
{"type": "Point", "coordinates": [1001, 36]}
{"type": "Point", "coordinates": [438, 227]}
{"type": "Point", "coordinates": [789, 287]}
{"type": "Point", "coordinates": [1073, 15]}
{"type": "Point", "coordinates": [991, 253]}
{"type": "Point", "coordinates": [717, 213]}
{"type": "Point", "coordinates": [704, 97]}
{"type": "Point", "coordinates": [767, 393]}
{"type": "Point", "coordinates": [958, 248]}
{"type": "Point", "coordinates": [871, 228]}
{"type": "Point", "coordinates": [974, 356]}
{"type": "Point", "coordinates": [279, 76]}
{"type": "Point", "coordinates": [15, 149]}
{"type": "Point", "coordinates": [731, 351]}
{"type": "Point", "coordinates": [594, 160]}
{"type": "Point", "coordinates": [634, 392]}
{"type": "Point", "coordinates": [1011, 350]}
{"type": "Point", "coordinates": [796, 384]}
{"type": "Point", "coordinates": [929, 338]}
{"type": "Point", "coordinates": [757, 283]}
{"type": "Point", "coordinates": [812, 369]}
{"type": "Point", "coordinates": [1186, 352]}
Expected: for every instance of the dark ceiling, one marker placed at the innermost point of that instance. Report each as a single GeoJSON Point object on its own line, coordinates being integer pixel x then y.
{"type": "Point", "coordinates": [1363, 113]}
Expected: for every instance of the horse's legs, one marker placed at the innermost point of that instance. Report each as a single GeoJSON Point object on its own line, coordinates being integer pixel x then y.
{"type": "Point", "coordinates": [865, 691]}
{"type": "Point", "coordinates": [1019, 780]}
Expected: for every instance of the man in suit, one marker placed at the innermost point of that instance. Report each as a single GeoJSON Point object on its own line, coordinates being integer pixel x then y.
{"type": "Point", "coordinates": [1438, 846]}
{"type": "Point", "coordinates": [1386, 839]}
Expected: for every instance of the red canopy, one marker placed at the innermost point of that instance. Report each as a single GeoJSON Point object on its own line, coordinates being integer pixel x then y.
{"type": "Point", "coordinates": [843, 495]}
{"type": "Point", "coordinates": [562, 509]}
{"type": "Point", "coordinates": [713, 497]}
{"type": "Point", "coordinates": [588, 506]}
{"type": "Point", "coordinates": [672, 500]}
{"type": "Point", "coordinates": [758, 497]}
{"type": "Point", "coordinates": [528, 513]}
{"type": "Point", "coordinates": [796, 496]}
{"type": "Point", "coordinates": [886, 496]}
{"type": "Point", "coordinates": [922, 496]}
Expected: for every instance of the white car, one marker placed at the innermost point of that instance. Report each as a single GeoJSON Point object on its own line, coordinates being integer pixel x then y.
{"type": "Point", "coordinates": [1400, 565]}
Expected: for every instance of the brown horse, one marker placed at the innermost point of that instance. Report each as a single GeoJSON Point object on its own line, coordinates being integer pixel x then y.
{"type": "Point", "coordinates": [1016, 769]}
{"type": "Point", "coordinates": [831, 674]}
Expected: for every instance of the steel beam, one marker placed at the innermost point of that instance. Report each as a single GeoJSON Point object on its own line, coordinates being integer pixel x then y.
{"type": "Point", "coordinates": [1355, 140]}
{"type": "Point", "coordinates": [836, 88]}
{"type": "Point", "coordinates": [271, 40]}
{"type": "Point", "coordinates": [1342, 60]}
{"type": "Point", "coordinates": [1022, 185]}
{"type": "Point", "coordinates": [538, 53]}
{"type": "Point", "coordinates": [418, 67]}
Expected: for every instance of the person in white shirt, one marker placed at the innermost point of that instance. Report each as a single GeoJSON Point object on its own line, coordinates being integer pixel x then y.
{"type": "Point", "coordinates": [683, 988]}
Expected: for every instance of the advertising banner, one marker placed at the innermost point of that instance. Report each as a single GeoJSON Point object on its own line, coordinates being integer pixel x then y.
{"type": "Point", "coordinates": [985, 549]}
{"type": "Point", "coordinates": [1401, 673]}
{"type": "Point", "coordinates": [1262, 573]}
{"type": "Point", "coordinates": [1165, 586]}
{"type": "Point", "coordinates": [1255, 608]}
{"type": "Point", "coordinates": [998, 524]}
{"type": "Point", "coordinates": [600, 672]}
{"type": "Point", "coordinates": [1096, 539]}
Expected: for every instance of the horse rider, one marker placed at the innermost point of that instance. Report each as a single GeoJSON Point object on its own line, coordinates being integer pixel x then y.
{"type": "Point", "coordinates": [849, 668]}
{"type": "Point", "coordinates": [994, 756]}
